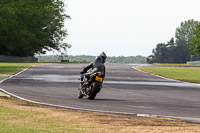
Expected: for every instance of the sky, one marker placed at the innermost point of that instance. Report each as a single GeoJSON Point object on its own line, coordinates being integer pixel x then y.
{"type": "Point", "coordinates": [124, 27]}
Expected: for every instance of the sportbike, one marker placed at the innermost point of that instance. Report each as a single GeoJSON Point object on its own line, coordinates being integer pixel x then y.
{"type": "Point", "coordinates": [91, 85]}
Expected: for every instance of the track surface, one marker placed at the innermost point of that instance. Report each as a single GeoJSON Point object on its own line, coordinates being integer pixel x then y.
{"type": "Point", "coordinates": [124, 90]}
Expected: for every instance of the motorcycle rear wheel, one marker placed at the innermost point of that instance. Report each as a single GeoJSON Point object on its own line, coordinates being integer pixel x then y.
{"type": "Point", "coordinates": [93, 92]}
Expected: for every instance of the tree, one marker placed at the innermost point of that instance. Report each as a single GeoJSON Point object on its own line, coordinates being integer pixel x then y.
{"type": "Point", "coordinates": [176, 51]}
{"type": "Point", "coordinates": [195, 43]}
{"type": "Point", "coordinates": [184, 35]}
{"type": "Point", "coordinates": [186, 31]}
{"type": "Point", "coordinates": [29, 27]}
{"type": "Point", "coordinates": [159, 54]}
{"type": "Point", "coordinates": [172, 49]}
{"type": "Point", "coordinates": [163, 53]}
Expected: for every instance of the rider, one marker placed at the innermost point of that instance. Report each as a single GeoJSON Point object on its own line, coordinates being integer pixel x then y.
{"type": "Point", "coordinates": [97, 66]}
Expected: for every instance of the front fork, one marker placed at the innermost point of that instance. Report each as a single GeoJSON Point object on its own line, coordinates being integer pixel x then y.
{"type": "Point", "coordinates": [81, 78]}
{"type": "Point", "coordinates": [82, 86]}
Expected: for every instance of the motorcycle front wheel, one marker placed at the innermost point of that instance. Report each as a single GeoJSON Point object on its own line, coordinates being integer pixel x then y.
{"type": "Point", "coordinates": [80, 93]}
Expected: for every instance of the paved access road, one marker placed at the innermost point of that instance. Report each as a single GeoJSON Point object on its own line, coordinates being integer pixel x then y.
{"type": "Point", "coordinates": [124, 90]}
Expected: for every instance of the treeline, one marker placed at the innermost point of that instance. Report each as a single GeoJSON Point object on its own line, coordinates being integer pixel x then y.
{"type": "Point", "coordinates": [28, 27]}
{"type": "Point", "coordinates": [127, 60]}
{"type": "Point", "coordinates": [180, 48]}
{"type": "Point", "coordinates": [85, 58]}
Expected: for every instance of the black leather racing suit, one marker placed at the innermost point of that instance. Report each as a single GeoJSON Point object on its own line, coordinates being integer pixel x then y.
{"type": "Point", "coordinates": [97, 66]}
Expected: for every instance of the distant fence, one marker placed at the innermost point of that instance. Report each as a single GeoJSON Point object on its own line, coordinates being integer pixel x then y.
{"type": "Point", "coordinates": [194, 58]}
{"type": "Point", "coordinates": [17, 59]}
{"type": "Point", "coordinates": [194, 62]}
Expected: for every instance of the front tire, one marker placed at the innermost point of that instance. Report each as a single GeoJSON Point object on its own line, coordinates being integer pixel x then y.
{"type": "Point", "coordinates": [80, 95]}
{"type": "Point", "coordinates": [93, 92]}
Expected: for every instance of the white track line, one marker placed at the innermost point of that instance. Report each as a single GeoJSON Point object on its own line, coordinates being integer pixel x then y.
{"type": "Point", "coordinates": [155, 75]}
{"type": "Point", "coordinates": [13, 75]}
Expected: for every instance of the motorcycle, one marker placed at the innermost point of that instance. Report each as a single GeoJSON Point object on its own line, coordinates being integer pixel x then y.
{"type": "Point", "coordinates": [91, 85]}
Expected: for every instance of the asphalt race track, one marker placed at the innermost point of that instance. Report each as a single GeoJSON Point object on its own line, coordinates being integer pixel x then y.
{"type": "Point", "coordinates": [124, 90]}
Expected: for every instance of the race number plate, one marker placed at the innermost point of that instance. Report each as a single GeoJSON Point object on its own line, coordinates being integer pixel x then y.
{"type": "Point", "coordinates": [100, 79]}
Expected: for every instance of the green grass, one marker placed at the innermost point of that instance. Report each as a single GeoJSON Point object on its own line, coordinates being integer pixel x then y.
{"type": "Point", "coordinates": [7, 69]}
{"type": "Point", "coordinates": [178, 73]}
{"type": "Point", "coordinates": [175, 64]}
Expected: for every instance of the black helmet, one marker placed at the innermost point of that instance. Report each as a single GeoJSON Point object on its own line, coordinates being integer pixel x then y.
{"type": "Point", "coordinates": [103, 55]}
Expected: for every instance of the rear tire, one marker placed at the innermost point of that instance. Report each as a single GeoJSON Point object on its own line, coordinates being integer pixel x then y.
{"type": "Point", "coordinates": [93, 92]}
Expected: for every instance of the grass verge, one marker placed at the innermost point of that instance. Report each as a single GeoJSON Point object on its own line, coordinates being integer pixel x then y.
{"type": "Point", "coordinates": [23, 117]}
{"type": "Point", "coordinates": [178, 73]}
{"type": "Point", "coordinates": [7, 69]}
{"type": "Point", "coordinates": [177, 65]}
